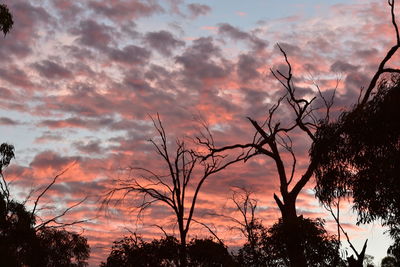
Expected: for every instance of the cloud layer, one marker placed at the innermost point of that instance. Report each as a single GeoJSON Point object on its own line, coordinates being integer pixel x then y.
{"type": "Point", "coordinates": [78, 81]}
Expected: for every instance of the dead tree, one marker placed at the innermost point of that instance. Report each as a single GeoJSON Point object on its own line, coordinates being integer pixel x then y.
{"type": "Point", "coordinates": [177, 187]}
{"type": "Point", "coordinates": [272, 139]}
{"type": "Point", "coordinates": [246, 205]}
{"type": "Point", "coordinates": [251, 227]}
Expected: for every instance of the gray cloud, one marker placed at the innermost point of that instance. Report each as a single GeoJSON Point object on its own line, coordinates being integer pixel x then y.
{"type": "Point", "coordinates": [130, 54]}
{"type": "Point", "coordinates": [162, 41]}
{"type": "Point", "coordinates": [197, 10]}
{"type": "Point", "coordinates": [119, 10]}
{"type": "Point", "coordinates": [52, 70]}
{"type": "Point", "coordinates": [239, 35]}
{"type": "Point", "coordinates": [247, 67]}
{"type": "Point", "coordinates": [341, 66]}
{"type": "Point", "coordinates": [93, 34]}
{"type": "Point", "coordinates": [8, 122]}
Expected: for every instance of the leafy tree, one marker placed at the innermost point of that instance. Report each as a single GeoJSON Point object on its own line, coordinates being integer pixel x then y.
{"type": "Point", "coordinates": [133, 251]}
{"type": "Point", "coordinates": [389, 261]}
{"type": "Point", "coordinates": [59, 247]}
{"type": "Point", "coordinates": [320, 248]}
{"type": "Point", "coordinates": [17, 234]}
{"type": "Point", "coordinates": [360, 156]}
{"type": "Point", "coordinates": [6, 19]}
{"type": "Point", "coordinates": [24, 242]}
{"type": "Point", "coordinates": [208, 253]}
{"type": "Point", "coordinates": [394, 249]}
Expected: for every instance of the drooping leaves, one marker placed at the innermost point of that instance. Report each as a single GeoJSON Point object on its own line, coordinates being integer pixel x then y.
{"type": "Point", "coordinates": [6, 154]}
{"type": "Point", "coordinates": [6, 19]}
{"type": "Point", "coordinates": [359, 156]}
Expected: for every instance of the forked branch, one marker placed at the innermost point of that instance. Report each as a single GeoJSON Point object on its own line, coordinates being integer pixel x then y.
{"type": "Point", "coordinates": [381, 68]}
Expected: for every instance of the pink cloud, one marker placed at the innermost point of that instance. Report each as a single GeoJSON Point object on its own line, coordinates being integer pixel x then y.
{"type": "Point", "coordinates": [92, 92]}
{"type": "Point", "coordinates": [119, 10]}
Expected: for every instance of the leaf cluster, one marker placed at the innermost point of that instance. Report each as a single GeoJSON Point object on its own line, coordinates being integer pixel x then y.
{"type": "Point", "coordinates": [23, 245]}
{"type": "Point", "coordinates": [134, 251]}
{"type": "Point", "coordinates": [359, 156]}
{"type": "Point", "coordinates": [6, 19]}
{"type": "Point", "coordinates": [24, 242]}
{"type": "Point", "coordinates": [320, 248]}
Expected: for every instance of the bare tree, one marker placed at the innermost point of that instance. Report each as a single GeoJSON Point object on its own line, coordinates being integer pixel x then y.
{"type": "Point", "coordinates": [177, 187]}
{"type": "Point", "coordinates": [272, 139]}
{"type": "Point", "coordinates": [246, 205]}
{"type": "Point", "coordinates": [251, 227]}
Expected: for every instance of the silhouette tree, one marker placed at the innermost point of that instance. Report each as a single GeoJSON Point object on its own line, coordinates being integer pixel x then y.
{"type": "Point", "coordinates": [17, 233]}
{"type": "Point", "coordinates": [59, 247]}
{"type": "Point", "coordinates": [266, 246]}
{"type": "Point", "coordinates": [22, 244]}
{"type": "Point", "coordinates": [133, 251]}
{"type": "Point", "coordinates": [6, 19]}
{"type": "Point", "coordinates": [320, 249]}
{"type": "Point", "coordinates": [359, 154]}
{"type": "Point", "coordinates": [272, 139]}
{"type": "Point", "coordinates": [208, 253]}
{"type": "Point", "coordinates": [389, 261]}
{"type": "Point", "coordinates": [251, 228]}
{"type": "Point", "coordinates": [24, 241]}
{"type": "Point", "coordinates": [360, 256]}
{"type": "Point", "coordinates": [185, 172]}
{"type": "Point", "coordinates": [394, 249]}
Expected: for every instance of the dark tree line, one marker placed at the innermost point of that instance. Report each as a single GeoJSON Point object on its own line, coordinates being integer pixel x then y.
{"type": "Point", "coordinates": [267, 248]}
{"type": "Point", "coordinates": [133, 251]}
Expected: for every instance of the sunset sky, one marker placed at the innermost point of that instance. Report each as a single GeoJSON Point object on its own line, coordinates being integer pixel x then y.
{"type": "Point", "coordinates": [79, 81]}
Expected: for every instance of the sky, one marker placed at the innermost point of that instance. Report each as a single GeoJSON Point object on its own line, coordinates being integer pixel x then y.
{"type": "Point", "coordinates": [79, 81]}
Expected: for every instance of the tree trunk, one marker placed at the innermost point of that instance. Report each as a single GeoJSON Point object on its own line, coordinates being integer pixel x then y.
{"type": "Point", "coordinates": [295, 250]}
{"type": "Point", "coordinates": [182, 253]}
